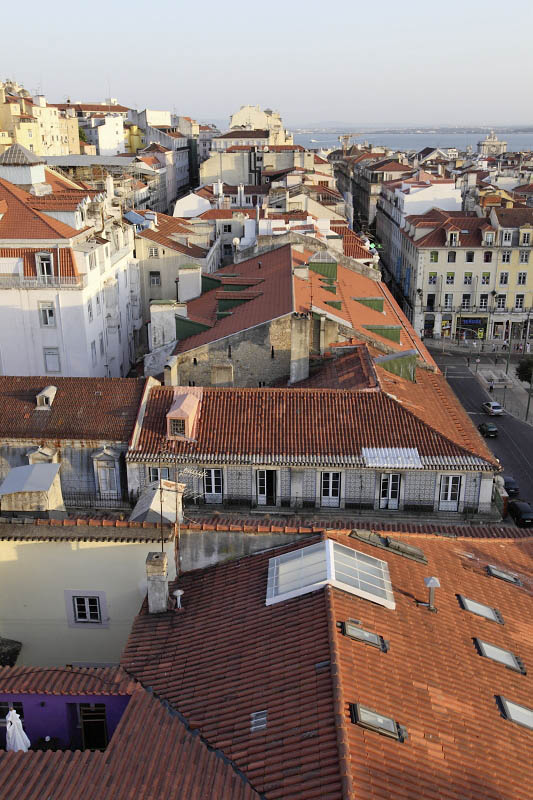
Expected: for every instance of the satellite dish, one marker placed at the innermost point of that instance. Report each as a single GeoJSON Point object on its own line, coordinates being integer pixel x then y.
{"type": "Point", "coordinates": [236, 241]}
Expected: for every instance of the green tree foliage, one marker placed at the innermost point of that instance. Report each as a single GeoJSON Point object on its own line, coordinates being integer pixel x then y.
{"type": "Point", "coordinates": [83, 137]}
{"type": "Point", "coordinates": [524, 369]}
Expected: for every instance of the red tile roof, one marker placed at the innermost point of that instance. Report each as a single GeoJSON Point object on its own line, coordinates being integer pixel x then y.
{"type": "Point", "coordinates": [470, 228]}
{"type": "Point", "coordinates": [67, 262]}
{"type": "Point", "coordinates": [167, 227]}
{"type": "Point", "coordinates": [228, 655]}
{"type": "Point", "coordinates": [174, 762]}
{"type": "Point", "coordinates": [348, 370]}
{"type": "Point", "coordinates": [83, 408]}
{"type": "Point", "coordinates": [287, 426]}
{"type": "Point", "coordinates": [244, 134]}
{"type": "Point", "coordinates": [91, 107]}
{"type": "Point", "coordinates": [22, 221]}
{"type": "Point", "coordinates": [512, 217]}
{"type": "Point", "coordinates": [65, 680]}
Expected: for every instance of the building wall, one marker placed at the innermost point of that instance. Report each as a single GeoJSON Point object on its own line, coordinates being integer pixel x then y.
{"type": "Point", "coordinates": [33, 578]}
{"type": "Point", "coordinates": [232, 168]}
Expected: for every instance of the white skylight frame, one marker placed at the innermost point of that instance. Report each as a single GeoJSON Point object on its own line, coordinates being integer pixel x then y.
{"type": "Point", "coordinates": [329, 563]}
{"type": "Point", "coordinates": [480, 609]}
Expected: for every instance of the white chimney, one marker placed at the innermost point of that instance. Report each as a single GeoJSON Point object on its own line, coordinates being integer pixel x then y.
{"type": "Point", "coordinates": [157, 578]}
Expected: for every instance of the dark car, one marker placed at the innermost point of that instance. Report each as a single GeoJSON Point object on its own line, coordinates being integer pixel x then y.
{"type": "Point", "coordinates": [510, 486]}
{"type": "Point", "coordinates": [488, 429]}
{"type": "Point", "coordinates": [521, 512]}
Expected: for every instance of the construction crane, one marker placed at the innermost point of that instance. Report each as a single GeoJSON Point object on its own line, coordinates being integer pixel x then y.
{"type": "Point", "coordinates": [346, 138]}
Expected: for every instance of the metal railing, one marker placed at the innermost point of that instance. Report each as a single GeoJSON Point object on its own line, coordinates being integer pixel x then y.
{"type": "Point", "coordinates": [43, 282]}
{"type": "Point", "coordinates": [95, 500]}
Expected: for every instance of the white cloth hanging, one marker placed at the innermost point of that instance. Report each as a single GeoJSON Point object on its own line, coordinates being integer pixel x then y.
{"type": "Point", "coordinates": [16, 739]}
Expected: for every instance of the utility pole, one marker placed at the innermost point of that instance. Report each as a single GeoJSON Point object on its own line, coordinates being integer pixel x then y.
{"type": "Point", "coordinates": [529, 393]}
{"type": "Point", "coordinates": [509, 353]}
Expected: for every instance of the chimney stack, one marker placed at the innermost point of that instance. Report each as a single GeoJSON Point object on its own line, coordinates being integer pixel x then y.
{"type": "Point", "coordinates": [157, 578]}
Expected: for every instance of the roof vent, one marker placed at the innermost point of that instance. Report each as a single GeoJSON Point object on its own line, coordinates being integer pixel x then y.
{"type": "Point", "coordinates": [45, 398]}
{"type": "Point", "coordinates": [432, 583]}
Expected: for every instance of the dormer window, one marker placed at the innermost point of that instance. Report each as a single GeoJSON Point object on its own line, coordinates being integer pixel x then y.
{"type": "Point", "coordinates": [489, 239]}
{"type": "Point", "coordinates": [454, 239]}
{"type": "Point", "coordinates": [177, 427]}
{"type": "Point", "coordinates": [45, 398]}
{"type": "Point", "coordinates": [45, 267]}
{"type": "Point", "coordinates": [526, 238]}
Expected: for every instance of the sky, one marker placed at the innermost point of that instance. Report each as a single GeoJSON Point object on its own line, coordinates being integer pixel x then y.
{"type": "Point", "coordinates": [463, 62]}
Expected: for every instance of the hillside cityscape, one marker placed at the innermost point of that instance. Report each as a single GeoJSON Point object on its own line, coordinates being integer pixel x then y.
{"type": "Point", "coordinates": [266, 496]}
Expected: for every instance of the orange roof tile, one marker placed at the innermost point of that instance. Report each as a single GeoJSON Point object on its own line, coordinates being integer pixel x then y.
{"type": "Point", "coordinates": [67, 261]}
{"type": "Point", "coordinates": [22, 221]}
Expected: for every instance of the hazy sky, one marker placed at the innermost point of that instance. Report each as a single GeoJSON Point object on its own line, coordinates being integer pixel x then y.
{"type": "Point", "coordinates": [404, 63]}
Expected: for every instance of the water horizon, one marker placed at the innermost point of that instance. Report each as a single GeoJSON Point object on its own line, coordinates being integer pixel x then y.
{"type": "Point", "coordinates": [414, 141]}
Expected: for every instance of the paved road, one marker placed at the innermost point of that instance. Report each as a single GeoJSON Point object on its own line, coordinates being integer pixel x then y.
{"type": "Point", "coordinates": [514, 445]}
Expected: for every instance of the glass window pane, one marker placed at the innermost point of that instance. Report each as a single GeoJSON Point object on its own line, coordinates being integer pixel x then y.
{"type": "Point", "coordinates": [518, 713]}
{"type": "Point", "coordinates": [479, 608]}
{"type": "Point", "coordinates": [498, 654]}
{"type": "Point", "coordinates": [377, 720]}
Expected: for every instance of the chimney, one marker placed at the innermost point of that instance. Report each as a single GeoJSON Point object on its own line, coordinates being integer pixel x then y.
{"type": "Point", "coordinates": [300, 331]}
{"type": "Point", "coordinates": [157, 578]}
{"type": "Point", "coordinates": [171, 372]}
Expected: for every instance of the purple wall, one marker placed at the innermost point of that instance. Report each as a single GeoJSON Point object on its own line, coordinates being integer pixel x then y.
{"type": "Point", "coordinates": [55, 716]}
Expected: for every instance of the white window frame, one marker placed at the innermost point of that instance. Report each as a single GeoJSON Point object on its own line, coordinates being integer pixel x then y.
{"type": "Point", "coordinates": [506, 256]}
{"type": "Point", "coordinates": [71, 613]}
{"type": "Point", "coordinates": [526, 238]}
{"type": "Point", "coordinates": [107, 487]}
{"type": "Point", "coordinates": [507, 237]}
{"type": "Point", "coordinates": [330, 489]}
{"type": "Point", "coordinates": [155, 278]}
{"type": "Point", "coordinates": [521, 279]}
{"type": "Point", "coordinates": [47, 315]}
{"type": "Point", "coordinates": [449, 497]}
{"type": "Point", "coordinates": [153, 252]}
{"type": "Point", "coordinates": [432, 279]}
{"type": "Point", "coordinates": [44, 263]}
{"type": "Point", "coordinates": [467, 281]}
{"type": "Point", "coordinates": [501, 302]}
{"type": "Point", "coordinates": [51, 352]}
{"type": "Point", "coordinates": [519, 302]}
{"type": "Point", "coordinates": [389, 490]}
{"type": "Point", "coordinates": [154, 474]}
{"type": "Point", "coordinates": [177, 427]}
{"type": "Point", "coordinates": [213, 480]}
{"type": "Point", "coordinates": [504, 279]}
{"type": "Point", "coordinates": [524, 257]}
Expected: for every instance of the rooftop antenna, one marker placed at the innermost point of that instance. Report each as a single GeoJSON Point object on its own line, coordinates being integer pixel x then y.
{"type": "Point", "coordinates": [432, 583]}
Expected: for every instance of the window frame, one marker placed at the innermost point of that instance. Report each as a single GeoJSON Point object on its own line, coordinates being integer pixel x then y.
{"type": "Point", "coordinates": [73, 622]}
{"type": "Point", "coordinates": [504, 703]}
{"type": "Point", "coordinates": [506, 256]}
{"type": "Point", "coordinates": [399, 734]}
{"type": "Point", "coordinates": [467, 279]}
{"type": "Point", "coordinates": [503, 279]}
{"type": "Point", "coordinates": [153, 252]}
{"type": "Point", "coordinates": [155, 472]}
{"type": "Point", "coordinates": [52, 352]}
{"type": "Point", "coordinates": [496, 615]}
{"type": "Point", "coordinates": [44, 306]}
{"type": "Point", "coordinates": [523, 257]}
{"type": "Point", "coordinates": [155, 277]}
{"type": "Point", "coordinates": [434, 257]}
{"type": "Point", "coordinates": [174, 423]}
{"type": "Point", "coordinates": [515, 666]}
{"type": "Point", "coordinates": [450, 278]}
{"type": "Point", "coordinates": [470, 256]}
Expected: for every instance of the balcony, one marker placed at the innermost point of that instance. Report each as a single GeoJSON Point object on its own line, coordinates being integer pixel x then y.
{"type": "Point", "coordinates": [43, 282]}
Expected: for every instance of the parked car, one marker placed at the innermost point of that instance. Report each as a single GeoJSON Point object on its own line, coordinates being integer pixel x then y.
{"type": "Point", "coordinates": [492, 408]}
{"type": "Point", "coordinates": [488, 429]}
{"type": "Point", "coordinates": [521, 512]}
{"type": "Point", "coordinates": [510, 486]}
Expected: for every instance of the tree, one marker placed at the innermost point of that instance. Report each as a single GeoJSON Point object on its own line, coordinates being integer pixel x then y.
{"type": "Point", "coordinates": [83, 137]}
{"type": "Point", "coordinates": [524, 369]}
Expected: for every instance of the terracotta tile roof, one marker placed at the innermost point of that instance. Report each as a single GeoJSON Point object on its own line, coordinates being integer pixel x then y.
{"type": "Point", "coordinates": [91, 107]}
{"type": "Point", "coordinates": [244, 134]}
{"type": "Point", "coordinates": [23, 222]}
{"type": "Point", "coordinates": [151, 161]}
{"type": "Point", "coordinates": [348, 370]}
{"type": "Point", "coordinates": [526, 188]}
{"type": "Point", "coordinates": [352, 244]}
{"type": "Point", "coordinates": [166, 228]}
{"type": "Point", "coordinates": [67, 262]}
{"type": "Point", "coordinates": [83, 408]}
{"type": "Point", "coordinates": [174, 762]}
{"type": "Point", "coordinates": [59, 201]}
{"type": "Point", "coordinates": [274, 270]}
{"type": "Point", "coordinates": [227, 655]}
{"type": "Point", "coordinates": [65, 680]}
{"type": "Point", "coordinates": [282, 148]}
{"type": "Point", "coordinates": [389, 166]}
{"type": "Point", "coordinates": [470, 228]}
{"type": "Point", "coordinates": [512, 217]}
{"type": "Point", "coordinates": [287, 426]}
{"type": "Point", "coordinates": [226, 213]}
{"type": "Point", "coordinates": [320, 160]}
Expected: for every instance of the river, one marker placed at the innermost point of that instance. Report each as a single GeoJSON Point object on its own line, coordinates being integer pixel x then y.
{"type": "Point", "coordinates": [415, 141]}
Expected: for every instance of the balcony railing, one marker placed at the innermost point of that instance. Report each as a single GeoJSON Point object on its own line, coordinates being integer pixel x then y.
{"type": "Point", "coordinates": [43, 282]}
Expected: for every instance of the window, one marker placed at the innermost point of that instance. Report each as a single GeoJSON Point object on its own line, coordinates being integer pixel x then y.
{"type": "Point", "coordinates": [213, 485]}
{"type": "Point", "coordinates": [468, 279]}
{"type": "Point", "coordinates": [483, 301]}
{"type": "Point", "coordinates": [93, 353]}
{"type": "Point", "coordinates": [396, 546]}
{"type": "Point", "coordinates": [432, 278]}
{"type": "Point", "coordinates": [228, 250]}
{"type": "Point", "coordinates": [90, 310]}
{"type": "Point", "coordinates": [177, 427]}
{"type": "Point", "coordinates": [328, 563]}
{"type": "Point", "coordinates": [353, 631]}
{"type": "Point", "coordinates": [504, 278]}
{"type": "Point", "coordinates": [107, 477]}
{"type": "Point", "coordinates": [506, 256]}
{"type": "Point", "coordinates": [98, 303]}
{"type": "Point", "coordinates": [153, 252]}
{"type": "Point", "coordinates": [448, 301]}
{"type": "Point", "coordinates": [51, 360]}
{"type": "Point", "coordinates": [526, 238]}
{"type": "Point", "coordinates": [155, 474]}
{"type": "Point", "coordinates": [517, 713]}
{"type": "Point", "coordinates": [452, 257]}
{"type": "Point", "coordinates": [92, 260]}
{"type": "Point", "coordinates": [489, 239]}
{"type": "Point", "coordinates": [5, 708]}
{"type": "Point", "coordinates": [44, 267]}
{"type": "Point", "coordinates": [499, 654]}
{"type": "Point", "coordinates": [47, 315]}
{"type": "Point", "coordinates": [454, 239]}
{"type": "Point", "coordinates": [480, 609]}
{"type": "Point", "coordinates": [101, 341]}
{"type": "Point", "coordinates": [507, 237]}
{"type": "Point", "coordinates": [485, 278]}
{"type": "Point", "coordinates": [330, 493]}
{"type": "Point", "coordinates": [469, 256]}
{"type": "Point", "coordinates": [450, 278]}
{"type": "Point", "coordinates": [372, 720]}
{"type": "Point", "coordinates": [86, 609]}
{"type": "Point", "coordinates": [226, 228]}
{"type": "Point", "coordinates": [519, 302]}
{"type": "Point", "coordinates": [465, 303]}
{"type": "Point", "coordinates": [390, 490]}
{"type": "Point", "coordinates": [524, 257]}
{"type": "Point", "coordinates": [258, 721]}
{"type": "Point", "coordinates": [434, 256]}
{"type": "Point", "coordinates": [155, 279]}
{"type": "Point", "coordinates": [495, 572]}
{"type": "Point", "coordinates": [487, 256]}
{"type": "Point", "coordinates": [450, 489]}
{"type": "Point", "coordinates": [522, 278]}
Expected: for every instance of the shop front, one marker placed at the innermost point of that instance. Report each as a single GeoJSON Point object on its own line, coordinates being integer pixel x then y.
{"type": "Point", "coordinates": [471, 327]}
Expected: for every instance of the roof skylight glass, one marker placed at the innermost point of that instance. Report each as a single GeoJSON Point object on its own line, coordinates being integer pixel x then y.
{"type": "Point", "coordinates": [355, 632]}
{"type": "Point", "coordinates": [495, 572]}
{"type": "Point", "coordinates": [367, 718]}
{"type": "Point", "coordinates": [480, 609]}
{"type": "Point", "coordinates": [498, 654]}
{"type": "Point", "coordinates": [310, 568]}
{"type": "Point", "coordinates": [517, 713]}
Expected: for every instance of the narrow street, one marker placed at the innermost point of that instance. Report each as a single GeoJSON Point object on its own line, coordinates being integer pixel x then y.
{"type": "Point", "coordinates": [514, 444]}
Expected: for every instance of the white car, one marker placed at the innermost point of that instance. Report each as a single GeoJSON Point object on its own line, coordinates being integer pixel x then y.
{"type": "Point", "coordinates": [492, 408]}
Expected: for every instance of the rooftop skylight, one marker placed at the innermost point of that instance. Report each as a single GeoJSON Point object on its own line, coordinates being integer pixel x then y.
{"type": "Point", "coordinates": [353, 631]}
{"type": "Point", "coordinates": [480, 609]}
{"type": "Point", "coordinates": [495, 572]}
{"type": "Point", "coordinates": [500, 654]}
{"type": "Point", "coordinates": [310, 568]}
{"type": "Point", "coordinates": [517, 713]}
{"type": "Point", "coordinates": [367, 718]}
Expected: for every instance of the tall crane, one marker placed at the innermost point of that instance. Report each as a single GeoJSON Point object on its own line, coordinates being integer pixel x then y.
{"type": "Point", "coordinates": [346, 138]}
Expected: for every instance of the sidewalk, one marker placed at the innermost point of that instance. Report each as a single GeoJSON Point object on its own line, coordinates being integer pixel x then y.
{"type": "Point", "coordinates": [511, 393]}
